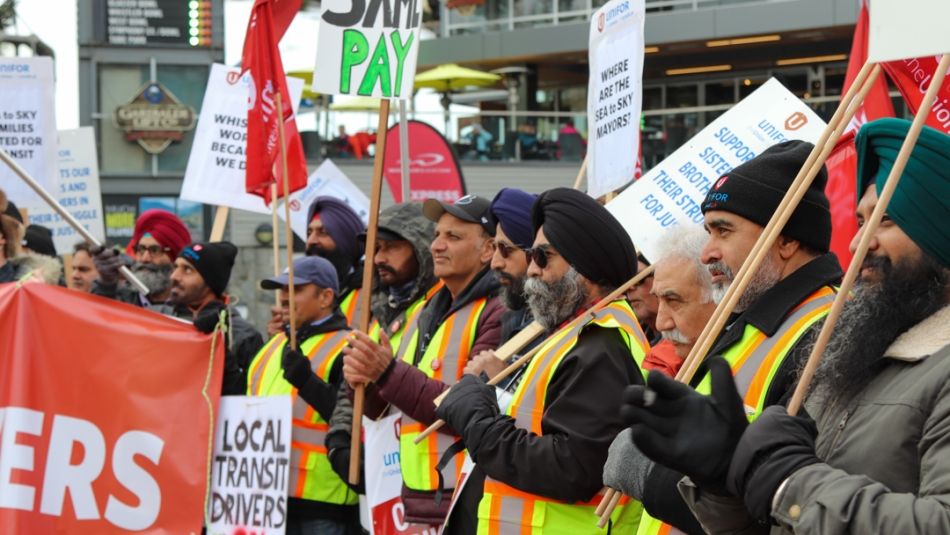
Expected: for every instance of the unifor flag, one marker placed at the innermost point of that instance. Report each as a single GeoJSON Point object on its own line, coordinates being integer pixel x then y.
{"type": "Point", "coordinates": [269, 20]}
{"type": "Point", "coordinates": [877, 104]}
{"type": "Point", "coordinates": [912, 77]}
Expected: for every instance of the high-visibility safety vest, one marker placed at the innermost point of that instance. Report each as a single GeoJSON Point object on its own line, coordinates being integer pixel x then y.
{"type": "Point", "coordinates": [395, 334]}
{"type": "Point", "coordinates": [505, 510]}
{"type": "Point", "coordinates": [755, 359]}
{"type": "Point", "coordinates": [350, 307]}
{"type": "Point", "coordinates": [311, 476]}
{"type": "Point", "coordinates": [443, 360]}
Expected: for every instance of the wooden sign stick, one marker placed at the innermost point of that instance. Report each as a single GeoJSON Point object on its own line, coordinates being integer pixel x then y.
{"type": "Point", "coordinates": [287, 230]}
{"type": "Point", "coordinates": [587, 316]}
{"type": "Point", "coordinates": [275, 237]}
{"type": "Point", "coordinates": [367, 286]}
{"type": "Point", "coordinates": [580, 174]}
{"type": "Point", "coordinates": [219, 224]}
{"type": "Point", "coordinates": [870, 226]}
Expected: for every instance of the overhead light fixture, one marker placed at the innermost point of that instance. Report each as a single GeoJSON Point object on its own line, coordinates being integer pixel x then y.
{"type": "Point", "coordinates": [651, 50]}
{"type": "Point", "coordinates": [744, 40]}
{"type": "Point", "coordinates": [812, 59]}
{"type": "Point", "coordinates": [698, 70]}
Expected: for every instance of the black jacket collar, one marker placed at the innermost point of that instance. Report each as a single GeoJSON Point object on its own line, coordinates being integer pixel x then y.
{"type": "Point", "coordinates": [337, 322]}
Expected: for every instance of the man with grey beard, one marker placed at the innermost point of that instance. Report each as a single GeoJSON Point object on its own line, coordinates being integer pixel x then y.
{"type": "Point", "coordinates": [544, 450]}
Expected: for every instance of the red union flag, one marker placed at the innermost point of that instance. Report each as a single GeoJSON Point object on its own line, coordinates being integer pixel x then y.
{"type": "Point", "coordinates": [877, 104]}
{"type": "Point", "coordinates": [912, 77]}
{"type": "Point", "coordinates": [92, 397]}
{"type": "Point", "coordinates": [269, 20]}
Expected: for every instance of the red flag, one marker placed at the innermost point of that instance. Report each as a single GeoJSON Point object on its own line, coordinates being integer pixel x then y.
{"type": "Point", "coordinates": [842, 196]}
{"type": "Point", "coordinates": [269, 20]}
{"type": "Point", "coordinates": [912, 77]}
{"type": "Point", "coordinates": [878, 102]}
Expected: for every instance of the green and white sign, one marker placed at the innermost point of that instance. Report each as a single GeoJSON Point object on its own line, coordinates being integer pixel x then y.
{"type": "Point", "coordinates": [368, 48]}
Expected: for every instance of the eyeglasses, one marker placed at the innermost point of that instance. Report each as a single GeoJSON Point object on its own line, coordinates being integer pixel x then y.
{"type": "Point", "coordinates": [153, 250]}
{"type": "Point", "coordinates": [504, 249]}
{"type": "Point", "coordinates": [540, 255]}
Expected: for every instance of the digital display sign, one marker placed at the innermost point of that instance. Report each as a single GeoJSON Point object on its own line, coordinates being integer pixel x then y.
{"type": "Point", "coordinates": [158, 22]}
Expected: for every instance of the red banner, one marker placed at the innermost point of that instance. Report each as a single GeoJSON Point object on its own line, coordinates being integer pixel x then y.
{"type": "Point", "coordinates": [842, 170]}
{"type": "Point", "coordinates": [877, 104]}
{"type": "Point", "coordinates": [434, 171]}
{"type": "Point", "coordinates": [269, 20]}
{"type": "Point", "coordinates": [104, 427]}
{"type": "Point", "coordinates": [912, 77]}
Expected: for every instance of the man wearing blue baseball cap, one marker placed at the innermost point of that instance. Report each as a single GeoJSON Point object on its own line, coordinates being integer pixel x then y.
{"type": "Point", "coordinates": [319, 501]}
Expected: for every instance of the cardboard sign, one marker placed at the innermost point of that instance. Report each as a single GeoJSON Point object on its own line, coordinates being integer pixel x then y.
{"type": "Point", "coordinates": [672, 192]}
{"type": "Point", "coordinates": [249, 467]}
{"type": "Point", "coordinates": [78, 191]}
{"type": "Point", "coordinates": [216, 166]}
{"type": "Point", "coordinates": [328, 179]}
{"type": "Point", "coordinates": [614, 95]}
{"type": "Point", "coordinates": [901, 30]}
{"type": "Point", "coordinates": [368, 48]}
{"type": "Point", "coordinates": [104, 426]}
{"type": "Point", "coordinates": [28, 127]}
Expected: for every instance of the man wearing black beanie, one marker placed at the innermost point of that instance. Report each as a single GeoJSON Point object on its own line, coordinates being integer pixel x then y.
{"type": "Point", "coordinates": [544, 450]}
{"type": "Point", "coordinates": [766, 339]}
{"type": "Point", "coordinates": [197, 294]}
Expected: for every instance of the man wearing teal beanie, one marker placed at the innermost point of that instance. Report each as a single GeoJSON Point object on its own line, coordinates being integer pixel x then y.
{"type": "Point", "coordinates": [875, 458]}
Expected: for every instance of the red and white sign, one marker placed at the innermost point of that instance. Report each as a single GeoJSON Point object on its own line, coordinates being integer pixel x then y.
{"type": "Point", "coordinates": [912, 77]}
{"type": "Point", "coordinates": [434, 171]}
{"type": "Point", "coordinates": [91, 435]}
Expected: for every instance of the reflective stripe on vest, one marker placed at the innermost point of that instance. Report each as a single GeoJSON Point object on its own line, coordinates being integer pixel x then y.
{"type": "Point", "coordinates": [756, 358]}
{"type": "Point", "coordinates": [443, 360]}
{"type": "Point", "coordinates": [310, 475]}
{"type": "Point", "coordinates": [506, 510]}
{"type": "Point", "coordinates": [407, 317]}
{"type": "Point", "coordinates": [350, 307]}
{"type": "Point", "coordinates": [652, 526]}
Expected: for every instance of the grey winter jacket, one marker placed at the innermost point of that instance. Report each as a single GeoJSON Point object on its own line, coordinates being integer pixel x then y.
{"type": "Point", "coordinates": [886, 455]}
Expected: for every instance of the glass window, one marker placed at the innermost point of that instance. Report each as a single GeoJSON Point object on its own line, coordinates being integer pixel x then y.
{"type": "Point", "coordinates": [188, 84]}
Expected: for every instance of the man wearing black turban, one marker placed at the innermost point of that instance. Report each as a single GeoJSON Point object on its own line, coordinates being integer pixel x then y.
{"type": "Point", "coordinates": [544, 450]}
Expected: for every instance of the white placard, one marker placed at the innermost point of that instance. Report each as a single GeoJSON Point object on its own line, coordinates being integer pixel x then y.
{"type": "Point", "coordinates": [28, 127]}
{"type": "Point", "coordinates": [368, 49]}
{"type": "Point", "coordinates": [250, 466]}
{"type": "Point", "coordinates": [907, 29]}
{"type": "Point", "coordinates": [78, 191]}
{"type": "Point", "coordinates": [216, 165]}
{"type": "Point", "coordinates": [614, 95]}
{"type": "Point", "coordinates": [672, 192]}
{"type": "Point", "coordinates": [328, 179]}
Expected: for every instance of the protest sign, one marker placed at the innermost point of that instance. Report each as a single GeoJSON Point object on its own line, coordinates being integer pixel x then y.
{"type": "Point", "coordinates": [384, 479]}
{"type": "Point", "coordinates": [216, 165]}
{"type": "Point", "coordinates": [614, 95]}
{"type": "Point", "coordinates": [368, 48]}
{"type": "Point", "coordinates": [28, 127]}
{"type": "Point", "coordinates": [78, 191]}
{"type": "Point", "coordinates": [328, 179]}
{"type": "Point", "coordinates": [900, 30]}
{"type": "Point", "coordinates": [249, 466]}
{"type": "Point", "coordinates": [671, 193]}
{"type": "Point", "coordinates": [106, 424]}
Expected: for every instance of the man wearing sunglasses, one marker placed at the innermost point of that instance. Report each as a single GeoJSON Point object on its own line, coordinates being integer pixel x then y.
{"type": "Point", "coordinates": [460, 320]}
{"type": "Point", "coordinates": [542, 455]}
{"type": "Point", "coordinates": [158, 239]}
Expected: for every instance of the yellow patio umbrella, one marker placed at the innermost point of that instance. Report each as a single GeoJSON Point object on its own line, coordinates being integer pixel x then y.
{"type": "Point", "coordinates": [450, 78]}
{"type": "Point", "coordinates": [307, 77]}
{"type": "Point", "coordinates": [355, 104]}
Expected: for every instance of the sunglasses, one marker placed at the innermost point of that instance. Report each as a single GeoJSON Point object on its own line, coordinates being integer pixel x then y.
{"type": "Point", "coordinates": [540, 255]}
{"type": "Point", "coordinates": [153, 250]}
{"type": "Point", "coordinates": [505, 250]}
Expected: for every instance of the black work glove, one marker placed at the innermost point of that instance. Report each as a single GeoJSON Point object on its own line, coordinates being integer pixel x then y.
{"type": "Point", "coordinates": [773, 447]}
{"type": "Point", "coordinates": [470, 408]}
{"type": "Point", "coordinates": [208, 317]}
{"type": "Point", "coordinates": [684, 430]}
{"type": "Point", "coordinates": [296, 366]}
{"type": "Point", "coordinates": [107, 261]}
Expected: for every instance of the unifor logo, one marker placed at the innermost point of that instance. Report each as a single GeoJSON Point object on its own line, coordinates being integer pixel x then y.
{"type": "Point", "coordinates": [601, 21]}
{"type": "Point", "coordinates": [721, 181]}
{"type": "Point", "coordinates": [233, 77]}
{"type": "Point", "coordinates": [796, 121]}
{"type": "Point", "coordinates": [295, 205]}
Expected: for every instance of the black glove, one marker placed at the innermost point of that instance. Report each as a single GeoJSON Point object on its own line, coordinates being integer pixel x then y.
{"type": "Point", "coordinates": [208, 317]}
{"type": "Point", "coordinates": [773, 447]}
{"type": "Point", "coordinates": [470, 408]}
{"type": "Point", "coordinates": [684, 430]}
{"type": "Point", "coordinates": [107, 261]}
{"type": "Point", "coordinates": [297, 367]}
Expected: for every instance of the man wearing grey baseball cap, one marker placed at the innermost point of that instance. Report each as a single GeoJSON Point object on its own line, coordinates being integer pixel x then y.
{"type": "Point", "coordinates": [319, 501]}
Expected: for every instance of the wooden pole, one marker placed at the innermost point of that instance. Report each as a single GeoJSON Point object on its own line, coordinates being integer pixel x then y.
{"type": "Point", "coordinates": [867, 234]}
{"type": "Point", "coordinates": [587, 316]}
{"type": "Point", "coordinates": [287, 230]}
{"type": "Point", "coordinates": [68, 269]}
{"type": "Point", "coordinates": [580, 174]}
{"type": "Point", "coordinates": [366, 292]}
{"type": "Point", "coordinates": [275, 237]}
{"type": "Point", "coordinates": [219, 224]}
{"type": "Point", "coordinates": [68, 217]}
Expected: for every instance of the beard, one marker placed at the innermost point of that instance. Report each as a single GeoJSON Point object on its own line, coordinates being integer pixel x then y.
{"type": "Point", "coordinates": [767, 276]}
{"type": "Point", "coordinates": [908, 292]}
{"type": "Point", "coordinates": [553, 303]}
{"type": "Point", "coordinates": [511, 294]}
{"type": "Point", "coordinates": [157, 278]}
{"type": "Point", "coordinates": [342, 263]}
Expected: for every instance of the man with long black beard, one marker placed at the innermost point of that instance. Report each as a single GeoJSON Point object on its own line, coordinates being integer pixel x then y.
{"type": "Point", "coordinates": [542, 454]}
{"type": "Point", "coordinates": [876, 459]}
